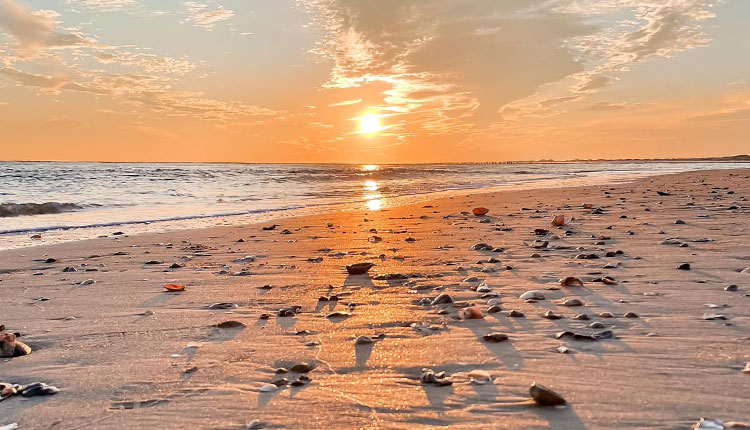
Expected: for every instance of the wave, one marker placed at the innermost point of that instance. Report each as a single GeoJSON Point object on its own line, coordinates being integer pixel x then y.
{"type": "Point", "coordinates": [20, 209]}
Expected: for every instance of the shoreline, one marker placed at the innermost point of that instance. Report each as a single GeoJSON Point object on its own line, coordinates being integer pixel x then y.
{"type": "Point", "coordinates": [125, 353]}
{"type": "Point", "coordinates": [249, 217]}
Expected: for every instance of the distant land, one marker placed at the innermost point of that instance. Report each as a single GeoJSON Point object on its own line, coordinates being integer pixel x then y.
{"type": "Point", "coordinates": [744, 158]}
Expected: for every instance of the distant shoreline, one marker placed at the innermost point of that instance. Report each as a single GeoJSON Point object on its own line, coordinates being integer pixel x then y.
{"type": "Point", "coordinates": [728, 159]}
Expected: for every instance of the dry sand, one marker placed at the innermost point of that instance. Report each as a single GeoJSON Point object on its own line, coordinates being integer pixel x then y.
{"type": "Point", "coordinates": [118, 368]}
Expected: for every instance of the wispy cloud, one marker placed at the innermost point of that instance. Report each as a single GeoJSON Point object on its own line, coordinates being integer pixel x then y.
{"type": "Point", "coordinates": [108, 5]}
{"type": "Point", "coordinates": [345, 103]}
{"type": "Point", "coordinates": [34, 31]}
{"type": "Point", "coordinates": [203, 15]}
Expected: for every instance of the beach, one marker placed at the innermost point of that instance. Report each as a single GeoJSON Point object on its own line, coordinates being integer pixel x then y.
{"type": "Point", "coordinates": [127, 353]}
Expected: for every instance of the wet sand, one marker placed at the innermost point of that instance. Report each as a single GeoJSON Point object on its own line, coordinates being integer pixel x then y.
{"type": "Point", "coordinates": [126, 353]}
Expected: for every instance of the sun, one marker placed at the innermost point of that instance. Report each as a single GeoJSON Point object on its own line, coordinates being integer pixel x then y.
{"type": "Point", "coordinates": [369, 124]}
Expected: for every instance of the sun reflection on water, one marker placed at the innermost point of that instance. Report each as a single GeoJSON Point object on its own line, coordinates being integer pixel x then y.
{"type": "Point", "coordinates": [370, 167]}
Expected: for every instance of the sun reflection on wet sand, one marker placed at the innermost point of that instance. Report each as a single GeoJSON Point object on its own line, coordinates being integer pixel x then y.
{"type": "Point", "coordinates": [372, 198]}
{"type": "Point", "coordinates": [374, 204]}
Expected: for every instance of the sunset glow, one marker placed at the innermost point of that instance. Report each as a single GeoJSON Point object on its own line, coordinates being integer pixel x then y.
{"type": "Point", "coordinates": [360, 81]}
{"type": "Point", "coordinates": [374, 214]}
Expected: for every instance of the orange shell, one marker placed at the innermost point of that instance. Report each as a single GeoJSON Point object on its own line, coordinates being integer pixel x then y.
{"type": "Point", "coordinates": [480, 211]}
{"type": "Point", "coordinates": [175, 287]}
{"type": "Point", "coordinates": [558, 220]}
{"type": "Point", "coordinates": [473, 313]}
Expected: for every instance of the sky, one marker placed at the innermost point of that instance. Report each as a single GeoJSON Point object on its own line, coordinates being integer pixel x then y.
{"type": "Point", "coordinates": [373, 81]}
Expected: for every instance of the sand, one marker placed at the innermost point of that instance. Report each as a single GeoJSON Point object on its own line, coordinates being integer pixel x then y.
{"type": "Point", "coordinates": [127, 354]}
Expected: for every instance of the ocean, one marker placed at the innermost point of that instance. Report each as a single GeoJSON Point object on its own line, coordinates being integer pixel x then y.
{"type": "Point", "coordinates": [72, 201]}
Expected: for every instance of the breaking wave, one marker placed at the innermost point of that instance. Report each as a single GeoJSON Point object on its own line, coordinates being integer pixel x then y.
{"type": "Point", "coordinates": [21, 209]}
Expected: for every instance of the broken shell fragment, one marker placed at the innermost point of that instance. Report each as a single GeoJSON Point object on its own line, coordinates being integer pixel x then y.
{"type": "Point", "coordinates": [359, 268]}
{"type": "Point", "coordinates": [570, 281]}
{"type": "Point", "coordinates": [544, 396]}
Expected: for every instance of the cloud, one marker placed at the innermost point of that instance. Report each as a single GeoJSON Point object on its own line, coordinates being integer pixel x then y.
{"type": "Point", "coordinates": [724, 115]}
{"type": "Point", "coordinates": [461, 66]}
{"type": "Point", "coordinates": [146, 62]}
{"type": "Point", "coordinates": [146, 91]}
{"type": "Point", "coordinates": [202, 15]}
{"type": "Point", "coordinates": [456, 63]}
{"type": "Point", "coordinates": [610, 106]}
{"type": "Point", "coordinates": [108, 5]}
{"type": "Point", "coordinates": [659, 29]}
{"type": "Point", "coordinates": [35, 31]}
{"type": "Point", "coordinates": [590, 82]}
{"type": "Point", "coordinates": [345, 103]}
{"type": "Point", "coordinates": [46, 83]}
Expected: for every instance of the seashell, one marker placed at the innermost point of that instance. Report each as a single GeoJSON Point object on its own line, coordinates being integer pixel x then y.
{"type": "Point", "coordinates": [480, 376]}
{"type": "Point", "coordinates": [483, 288]}
{"type": "Point", "coordinates": [267, 388]}
{"type": "Point", "coordinates": [708, 424]}
{"type": "Point", "coordinates": [174, 287]}
{"type": "Point", "coordinates": [339, 314]}
{"type": "Point", "coordinates": [481, 247]}
{"type": "Point", "coordinates": [572, 302]}
{"type": "Point", "coordinates": [223, 305]}
{"type": "Point", "coordinates": [302, 368]}
{"type": "Point", "coordinates": [569, 281]}
{"type": "Point", "coordinates": [532, 294]}
{"type": "Point", "coordinates": [359, 268]}
{"type": "Point", "coordinates": [7, 344]}
{"type": "Point", "coordinates": [230, 324]}
{"type": "Point", "coordinates": [544, 396]}
{"type": "Point", "coordinates": [495, 337]}
{"type": "Point", "coordinates": [254, 424]}
{"type": "Point", "coordinates": [558, 221]}
{"type": "Point", "coordinates": [471, 313]}
{"type": "Point", "coordinates": [37, 389]}
{"type": "Point", "coordinates": [442, 298]}
{"type": "Point", "coordinates": [429, 376]}
{"type": "Point", "coordinates": [363, 340]}
{"type": "Point", "coordinates": [480, 211]}
{"type": "Point", "coordinates": [290, 311]}
{"type": "Point", "coordinates": [21, 349]}
{"type": "Point", "coordinates": [245, 259]}
{"type": "Point", "coordinates": [711, 317]}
